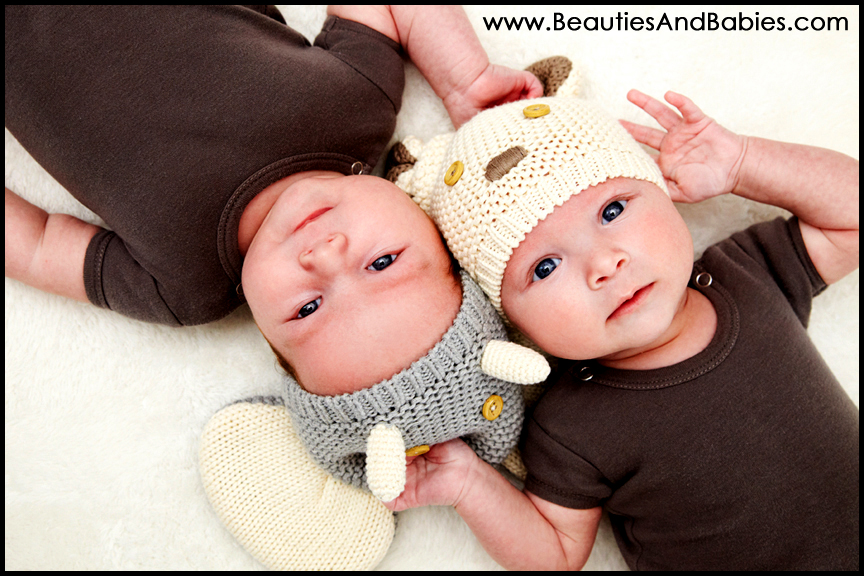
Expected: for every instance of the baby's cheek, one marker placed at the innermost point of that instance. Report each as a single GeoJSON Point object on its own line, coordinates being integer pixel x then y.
{"type": "Point", "coordinates": [544, 330]}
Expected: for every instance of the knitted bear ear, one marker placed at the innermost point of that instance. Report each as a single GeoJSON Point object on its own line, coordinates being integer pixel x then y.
{"type": "Point", "coordinates": [400, 159]}
{"type": "Point", "coordinates": [514, 363]}
{"type": "Point", "coordinates": [413, 166]}
{"type": "Point", "coordinates": [558, 76]}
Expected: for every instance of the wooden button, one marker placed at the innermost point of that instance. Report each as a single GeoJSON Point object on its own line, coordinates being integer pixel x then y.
{"type": "Point", "coordinates": [417, 450]}
{"type": "Point", "coordinates": [536, 110]}
{"type": "Point", "coordinates": [454, 173]}
{"type": "Point", "coordinates": [492, 407]}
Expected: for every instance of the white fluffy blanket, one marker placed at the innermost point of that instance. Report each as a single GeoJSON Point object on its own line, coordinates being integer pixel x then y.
{"type": "Point", "coordinates": [104, 414]}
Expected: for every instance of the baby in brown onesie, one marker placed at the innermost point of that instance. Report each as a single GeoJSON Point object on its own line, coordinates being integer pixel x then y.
{"type": "Point", "coordinates": [199, 134]}
{"type": "Point", "coordinates": [691, 404]}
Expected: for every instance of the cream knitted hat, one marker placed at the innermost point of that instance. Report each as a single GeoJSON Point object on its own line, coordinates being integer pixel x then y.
{"type": "Point", "coordinates": [488, 184]}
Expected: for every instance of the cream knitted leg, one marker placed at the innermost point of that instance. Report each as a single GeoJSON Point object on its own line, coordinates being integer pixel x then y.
{"type": "Point", "coordinates": [281, 506]}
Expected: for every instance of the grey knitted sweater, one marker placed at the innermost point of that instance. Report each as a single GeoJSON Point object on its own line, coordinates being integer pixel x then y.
{"type": "Point", "coordinates": [438, 398]}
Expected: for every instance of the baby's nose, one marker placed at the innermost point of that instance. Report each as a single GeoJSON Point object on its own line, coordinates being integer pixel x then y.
{"type": "Point", "coordinates": [605, 265]}
{"type": "Point", "coordinates": [326, 255]}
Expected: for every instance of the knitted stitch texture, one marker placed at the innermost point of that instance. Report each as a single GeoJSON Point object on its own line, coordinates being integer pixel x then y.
{"type": "Point", "coordinates": [279, 504]}
{"type": "Point", "coordinates": [517, 168]}
{"type": "Point", "coordinates": [438, 398]}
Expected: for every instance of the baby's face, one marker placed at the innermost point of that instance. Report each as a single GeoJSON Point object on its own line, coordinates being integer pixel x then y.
{"type": "Point", "coordinates": [350, 282]}
{"type": "Point", "coordinates": [604, 275]}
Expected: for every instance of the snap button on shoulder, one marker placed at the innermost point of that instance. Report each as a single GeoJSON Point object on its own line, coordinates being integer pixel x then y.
{"type": "Point", "coordinates": [492, 407]}
{"type": "Point", "coordinates": [417, 450]}
{"type": "Point", "coordinates": [454, 173]}
{"type": "Point", "coordinates": [585, 373]}
{"type": "Point", "coordinates": [704, 279]}
{"type": "Point", "coordinates": [536, 110]}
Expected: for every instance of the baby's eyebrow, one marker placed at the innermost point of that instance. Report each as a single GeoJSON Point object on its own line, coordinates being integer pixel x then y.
{"type": "Point", "coordinates": [522, 273]}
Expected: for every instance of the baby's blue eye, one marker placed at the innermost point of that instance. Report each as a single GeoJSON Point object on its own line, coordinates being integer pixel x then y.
{"type": "Point", "coordinates": [309, 308]}
{"type": "Point", "coordinates": [612, 211]}
{"type": "Point", "coordinates": [545, 268]}
{"type": "Point", "coordinates": [382, 262]}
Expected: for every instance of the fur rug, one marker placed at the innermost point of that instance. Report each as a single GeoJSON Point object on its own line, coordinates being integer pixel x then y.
{"type": "Point", "coordinates": [104, 414]}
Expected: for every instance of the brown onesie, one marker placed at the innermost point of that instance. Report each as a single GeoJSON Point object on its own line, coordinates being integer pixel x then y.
{"type": "Point", "coordinates": [743, 457]}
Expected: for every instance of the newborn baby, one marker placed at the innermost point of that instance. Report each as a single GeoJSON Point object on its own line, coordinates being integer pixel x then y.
{"type": "Point", "coordinates": [366, 329]}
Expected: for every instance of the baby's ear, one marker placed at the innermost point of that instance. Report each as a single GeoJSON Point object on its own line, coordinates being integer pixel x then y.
{"type": "Point", "coordinates": [413, 166]}
{"type": "Point", "coordinates": [558, 76]}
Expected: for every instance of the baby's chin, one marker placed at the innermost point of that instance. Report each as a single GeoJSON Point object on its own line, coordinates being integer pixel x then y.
{"type": "Point", "coordinates": [326, 387]}
{"type": "Point", "coordinates": [336, 379]}
{"type": "Point", "coordinates": [617, 346]}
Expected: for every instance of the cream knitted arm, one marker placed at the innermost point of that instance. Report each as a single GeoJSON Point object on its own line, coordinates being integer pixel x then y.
{"type": "Point", "coordinates": [385, 462]}
{"type": "Point", "coordinates": [514, 363]}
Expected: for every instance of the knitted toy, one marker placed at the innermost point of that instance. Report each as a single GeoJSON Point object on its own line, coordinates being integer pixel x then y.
{"type": "Point", "coordinates": [295, 492]}
{"type": "Point", "coordinates": [488, 184]}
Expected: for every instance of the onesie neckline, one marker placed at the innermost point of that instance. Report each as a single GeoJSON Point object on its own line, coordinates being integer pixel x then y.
{"type": "Point", "coordinates": [725, 336]}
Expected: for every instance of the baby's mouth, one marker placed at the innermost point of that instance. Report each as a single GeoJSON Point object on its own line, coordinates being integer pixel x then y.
{"type": "Point", "coordinates": [314, 215]}
{"type": "Point", "coordinates": [631, 303]}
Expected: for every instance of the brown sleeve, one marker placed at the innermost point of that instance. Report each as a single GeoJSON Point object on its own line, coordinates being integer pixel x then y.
{"type": "Point", "coordinates": [350, 42]}
{"type": "Point", "coordinates": [132, 291]}
{"type": "Point", "coordinates": [268, 10]}
{"type": "Point", "coordinates": [558, 475]}
{"type": "Point", "coordinates": [777, 248]}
